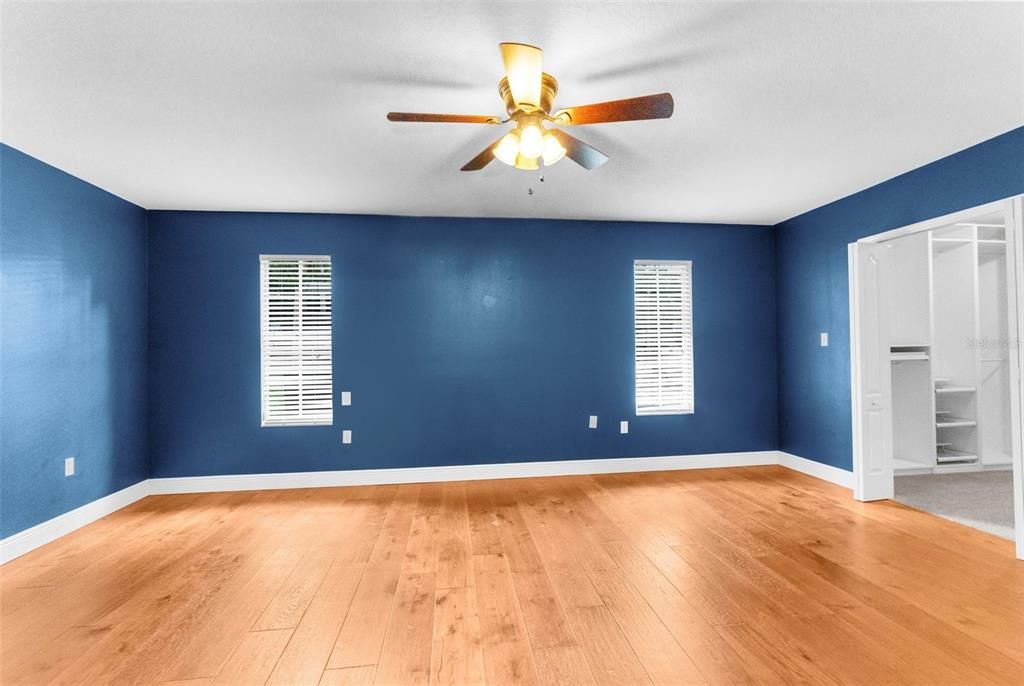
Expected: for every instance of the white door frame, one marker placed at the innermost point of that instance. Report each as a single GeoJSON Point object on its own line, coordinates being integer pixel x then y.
{"type": "Point", "coordinates": [1015, 254]}
{"type": "Point", "coordinates": [1013, 209]}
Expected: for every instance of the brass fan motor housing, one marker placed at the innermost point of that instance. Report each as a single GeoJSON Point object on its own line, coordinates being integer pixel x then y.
{"type": "Point", "coordinates": [548, 91]}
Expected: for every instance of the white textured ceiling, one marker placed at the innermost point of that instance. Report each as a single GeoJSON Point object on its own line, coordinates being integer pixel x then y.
{"type": "Point", "coordinates": [241, 106]}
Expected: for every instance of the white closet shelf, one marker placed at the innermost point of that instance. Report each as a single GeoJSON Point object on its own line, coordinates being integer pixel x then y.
{"type": "Point", "coordinates": [906, 356]}
{"type": "Point", "coordinates": [948, 456]}
{"type": "Point", "coordinates": [954, 422]}
{"type": "Point", "coordinates": [905, 467]}
{"type": "Point", "coordinates": [945, 244]}
{"type": "Point", "coordinates": [957, 468]}
{"type": "Point", "coordinates": [955, 389]}
{"type": "Point", "coordinates": [991, 246]}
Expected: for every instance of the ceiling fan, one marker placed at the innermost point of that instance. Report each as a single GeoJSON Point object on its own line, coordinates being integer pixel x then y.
{"type": "Point", "coordinates": [529, 93]}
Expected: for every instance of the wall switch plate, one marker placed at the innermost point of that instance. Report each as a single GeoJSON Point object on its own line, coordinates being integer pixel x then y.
{"type": "Point", "coordinates": [69, 466]}
{"type": "Point", "coordinates": [824, 339]}
{"type": "Point", "coordinates": [346, 436]}
{"type": "Point", "coordinates": [592, 424]}
{"type": "Point", "coordinates": [346, 398]}
{"type": "Point", "coordinates": [623, 427]}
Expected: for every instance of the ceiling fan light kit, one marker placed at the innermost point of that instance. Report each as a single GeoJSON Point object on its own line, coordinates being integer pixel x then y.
{"type": "Point", "coordinates": [529, 95]}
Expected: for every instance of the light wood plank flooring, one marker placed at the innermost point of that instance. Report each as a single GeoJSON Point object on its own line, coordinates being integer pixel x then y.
{"type": "Point", "coordinates": [730, 576]}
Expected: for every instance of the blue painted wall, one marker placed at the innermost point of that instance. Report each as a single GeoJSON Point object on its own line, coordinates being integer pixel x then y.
{"type": "Point", "coordinates": [73, 362]}
{"type": "Point", "coordinates": [462, 340]}
{"type": "Point", "coordinates": [813, 296]}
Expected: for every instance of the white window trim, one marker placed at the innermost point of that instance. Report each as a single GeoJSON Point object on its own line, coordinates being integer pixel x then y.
{"type": "Point", "coordinates": [264, 422]}
{"type": "Point", "coordinates": [693, 371]}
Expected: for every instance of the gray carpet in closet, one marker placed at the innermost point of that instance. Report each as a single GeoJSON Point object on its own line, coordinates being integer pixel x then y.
{"type": "Point", "coordinates": [983, 500]}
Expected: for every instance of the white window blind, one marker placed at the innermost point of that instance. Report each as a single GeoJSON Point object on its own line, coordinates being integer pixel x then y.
{"type": "Point", "coordinates": [295, 340]}
{"type": "Point", "coordinates": [663, 321]}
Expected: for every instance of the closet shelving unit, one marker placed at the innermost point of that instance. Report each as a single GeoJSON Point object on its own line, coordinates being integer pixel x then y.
{"type": "Point", "coordinates": [949, 372]}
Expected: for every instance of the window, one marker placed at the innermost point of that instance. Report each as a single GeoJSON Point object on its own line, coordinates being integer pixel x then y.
{"type": "Point", "coordinates": [295, 340]}
{"type": "Point", "coordinates": [663, 321]}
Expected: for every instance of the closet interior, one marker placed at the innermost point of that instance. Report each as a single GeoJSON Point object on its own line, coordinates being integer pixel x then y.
{"type": "Point", "coordinates": [948, 334]}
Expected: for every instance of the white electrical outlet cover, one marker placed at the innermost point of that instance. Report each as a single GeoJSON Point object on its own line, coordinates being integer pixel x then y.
{"type": "Point", "coordinates": [623, 427]}
{"type": "Point", "coordinates": [346, 436]}
{"type": "Point", "coordinates": [69, 466]}
{"type": "Point", "coordinates": [346, 398]}
{"type": "Point", "coordinates": [592, 424]}
{"type": "Point", "coordinates": [824, 339]}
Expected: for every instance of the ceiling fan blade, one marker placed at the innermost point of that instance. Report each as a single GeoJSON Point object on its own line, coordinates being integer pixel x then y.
{"type": "Point", "coordinates": [522, 67]}
{"type": "Point", "coordinates": [483, 159]}
{"type": "Point", "coordinates": [443, 118]}
{"type": "Point", "coordinates": [579, 152]}
{"type": "Point", "coordinates": [658, 106]}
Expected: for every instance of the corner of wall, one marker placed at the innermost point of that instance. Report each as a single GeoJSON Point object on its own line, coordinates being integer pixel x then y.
{"type": "Point", "coordinates": [149, 367]}
{"type": "Point", "coordinates": [778, 341]}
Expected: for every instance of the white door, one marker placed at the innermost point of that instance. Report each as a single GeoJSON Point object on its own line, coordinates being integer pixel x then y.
{"type": "Point", "coordinates": [871, 375]}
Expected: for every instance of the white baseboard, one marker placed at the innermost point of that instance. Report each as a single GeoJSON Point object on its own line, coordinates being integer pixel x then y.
{"type": "Point", "coordinates": [503, 470]}
{"type": "Point", "coordinates": [825, 472]}
{"type": "Point", "coordinates": [25, 541]}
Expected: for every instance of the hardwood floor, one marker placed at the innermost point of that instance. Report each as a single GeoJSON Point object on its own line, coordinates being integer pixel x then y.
{"type": "Point", "coordinates": [731, 576]}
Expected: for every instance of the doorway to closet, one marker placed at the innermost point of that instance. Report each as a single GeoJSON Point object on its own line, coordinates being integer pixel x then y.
{"type": "Point", "coordinates": [935, 347]}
